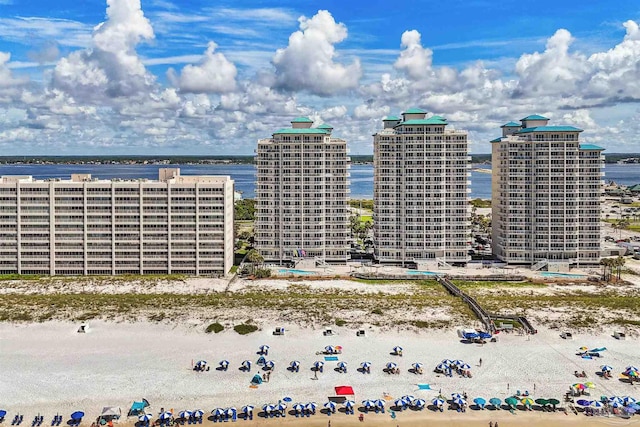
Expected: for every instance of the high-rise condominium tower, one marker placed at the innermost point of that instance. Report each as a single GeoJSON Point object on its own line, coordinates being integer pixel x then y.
{"type": "Point", "coordinates": [302, 194]}
{"type": "Point", "coordinates": [421, 186]}
{"type": "Point", "coordinates": [546, 192]}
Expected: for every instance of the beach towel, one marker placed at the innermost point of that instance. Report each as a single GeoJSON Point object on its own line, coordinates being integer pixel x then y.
{"type": "Point", "coordinates": [331, 358]}
{"type": "Point", "coordinates": [424, 387]}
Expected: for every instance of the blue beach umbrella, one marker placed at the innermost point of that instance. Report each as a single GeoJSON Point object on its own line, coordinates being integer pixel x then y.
{"type": "Point", "coordinates": [224, 363]}
{"type": "Point", "coordinates": [495, 402]}
{"type": "Point", "coordinates": [380, 403]}
{"type": "Point", "coordinates": [269, 364]}
{"type": "Point", "coordinates": [616, 404]}
{"type": "Point", "coordinates": [342, 365]}
{"type": "Point", "coordinates": [311, 406]}
{"type": "Point", "coordinates": [437, 402]}
{"type": "Point", "coordinates": [480, 402]}
{"type": "Point", "coordinates": [77, 415]}
{"type": "Point", "coordinates": [442, 367]}
{"type": "Point", "coordinates": [264, 348]}
{"type": "Point", "coordinates": [458, 362]}
{"type": "Point", "coordinates": [484, 335]}
{"type": "Point", "coordinates": [628, 400]}
{"type": "Point", "coordinates": [294, 364]}
{"type": "Point", "coordinates": [331, 406]}
{"type": "Point", "coordinates": [447, 362]}
{"type": "Point", "coordinates": [419, 403]}
{"type": "Point", "coordinates": [198, 413]}
{"type": "Point", "coordinates": [268, 408]}
{"type": "Point", "coordinates": [218, 412]}
{"type": "Point", "coordinates": [392, 365]}
{"type": "Point", "coordinates": [184, 414]}
{"type": "Point", "coordinates": [145, 418]}
{"type": "Point", "coordinates": [408, 398]}
{"type": "Point", "coordinates": [397, 349]}
{"type": "Point", "coordinates": [459, 401]}
{"type": "Point", "coordinates": [400, 402]}
{"type": "Point", "coordinates": [365, 365]}
{"type": "Point", "coordinates": [606, 368]}
{"type": "Point", "coordinates": [287, 399]}
{"type": "Point", "coordinates": [318, 364]}
{"type": "Point", "coordinates": [464, 366]}
{"type": "Point", "coordinates": [596, 404]}
{"type": "Point", "coordinates": [455, 396]}
{"type": "Point", "coordinates": [417, 366]}
{"type": "Point", "coordinates": [3, 413]}
{"type": "Point", "coordinates": [584, 403]}
{"type": "Point", "coordinates": [616, 399]}
{"type": "Point", "coordinates": [247, 409]}
{"type": "Point", "coordinates": [330, 349]}
{"type": "Point", "coordinates": [349, 404]}
{"type": "Point", "coordinates": [165, 415]}
{"type": "Point", "coordinates": [246, 364]}
{"type": "Point", "coordinates": [298, 407]}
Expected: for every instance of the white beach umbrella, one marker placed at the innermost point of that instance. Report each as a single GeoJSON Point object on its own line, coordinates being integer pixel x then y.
{"type": "Point", "coordinates": [246, 364]}
{"type": "Point", "coordinates": [366, 364]}
{"type": "Point", "coordinates": [392, 365]}
{"type": "Point", "coordinates": [318, 364]}
{"type": "Point", "coordinates": [458, 362]}
{"type": "Point", "coordinates": [264, 348]}
{"type": "Point", "coordinates": [247, 408]}
{"type": "Point", "coordinates": [419, 403]}
{"type": "Point", "coordinates": [397, 349]}
{"type": "Point", "coordinates": [437, 402]}
{"type": "Point", "coordinates": [268, 408]}
{"type": "Point", "coordinates": [342, 365]}
{"type": "Point", "coordinates": [330, 349]}
{"type": "Point", "coordinates": [606, 368]}
{"type": "Point", "coordinates": [217, 412]}
{"type": "Point", "coordinates": [224, 363]}
{"type": "Point", "coordinates": [145, 417]}
{"type": "Point", "coordinates": [447, 362]}
{"type": "Point", "coordinates": [311, 406]}
{"type": "Point", "coordinates": [349, 403]}
{"type": "Point", "coordinates": [331, 406]}
{"type": "Point", "coordinates": [165, 415]}
{"type": "Point", "coordinates": [380, 403]}
{"type": "Point", "coordinates": [281, 406]}
{"type": "Point", "coordinates": [184, 414]}
{"type": "Point", "coordinates": [464, 366]}
{"type": "Point", "coordinates": [400, 402]}
{"type": "Point", "coordinates": [298, 407]}
{"type": "Point", "coordinates": [455, 396]}
{"type": "Point", "coordinates": [459, 401]}
{"type": "Point", "coordinates": [417, 366]}
{"type": "Point", "coordinates": [596, 404]}
{"type": "Point", "coordinates": [408, 398]}
{"type": "Point", "coordinates": [269, 364]}
{"type": "Point", "coordinates": [616, 399]}
{"type": "Point", "coordinates": [442, 367]}
{"type": "Point", "coordinates": [628, 400]}
{"type": "Point", "coordinates": [198, 413]}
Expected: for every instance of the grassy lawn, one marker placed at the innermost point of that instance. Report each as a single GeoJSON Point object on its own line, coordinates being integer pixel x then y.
{"type": "Point", "coordinates": [366, 218]}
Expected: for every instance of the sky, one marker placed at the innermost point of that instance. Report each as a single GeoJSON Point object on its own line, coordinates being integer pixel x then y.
{"type": "Point", "coordinates": [201, 77]}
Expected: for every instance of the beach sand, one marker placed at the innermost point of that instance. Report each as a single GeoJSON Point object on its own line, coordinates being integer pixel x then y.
{"type": "Point", "coordinates": [49, 368]}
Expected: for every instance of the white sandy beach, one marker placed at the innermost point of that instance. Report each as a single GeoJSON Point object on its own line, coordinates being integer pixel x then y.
{"type": "Point", "coordinates": [49, 368]}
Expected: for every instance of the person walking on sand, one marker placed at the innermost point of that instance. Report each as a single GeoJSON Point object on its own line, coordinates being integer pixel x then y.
{"type": "Point", "coordinates": [480, 364]}
{"type": "Point", "coordinates": [490, 423]}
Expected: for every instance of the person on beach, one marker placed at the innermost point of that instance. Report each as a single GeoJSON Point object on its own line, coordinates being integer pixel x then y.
{"type": "Point", "coordinates": [480, 363]}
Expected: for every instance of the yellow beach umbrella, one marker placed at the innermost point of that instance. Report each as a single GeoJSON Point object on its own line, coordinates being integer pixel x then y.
{"type": "Point", "coordinates": [527, 401]}
{"type": "Point", "coordinates": [590, 384]}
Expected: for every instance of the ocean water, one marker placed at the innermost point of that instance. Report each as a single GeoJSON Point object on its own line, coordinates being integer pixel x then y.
{"type": "Point", "coordinates": [245, 175]}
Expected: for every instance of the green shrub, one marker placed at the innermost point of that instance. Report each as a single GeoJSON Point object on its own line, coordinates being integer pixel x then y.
{"type": "Point", "coordinates": [340, 322]}
{"type": "Point", "coordinates": [215, 328]}
{"type": "Point", "coordinates": [377, 311]}
{"type": "Point", "coordinates": [245, 329]}
{"type": "Point", "coordinates": [262, 273]}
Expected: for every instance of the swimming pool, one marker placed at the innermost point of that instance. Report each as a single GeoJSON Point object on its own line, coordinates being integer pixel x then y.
{"type": "Point", "coordinates": [424, 273]}
{"type": "Point", "coordinates": [562, 275]}
{"type": "Point", "coordinates": [294, 271]}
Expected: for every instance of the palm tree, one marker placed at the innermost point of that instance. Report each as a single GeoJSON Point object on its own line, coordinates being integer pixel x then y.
{"type": "Point", "coordinates": [607, 264]}
{"type": "Point", "coordinates": [254, 257]}
{"type": "Point", "coordinates": [619, 263]}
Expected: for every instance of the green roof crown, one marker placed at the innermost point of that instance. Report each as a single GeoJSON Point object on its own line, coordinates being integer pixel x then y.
{"type": "Point", "coordinates": [391, 119]}
{"type": "Point", "coordinates": [302, 120]}
{"type": "Point", "coordinates": [510, 124]}
{"type": "Point", "coordinates": [415, 111]}
{"type": "Point", "coordinates": [534, 117]}
{"type": "Point", "coordinates": [325, 126]}
{"type": "Point", "coordinates": [302, 131]}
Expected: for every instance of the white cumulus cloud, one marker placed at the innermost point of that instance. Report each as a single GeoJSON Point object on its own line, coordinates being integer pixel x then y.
{"type": "Point", "coordinates": [214, 74]}
{"type": "Point", "coordinates": [308, 62]}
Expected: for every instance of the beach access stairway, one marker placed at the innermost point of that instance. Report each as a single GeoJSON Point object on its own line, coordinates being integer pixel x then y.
{"type": "Point", "coordinates": [540, 265]}
{"type": "Point", "coordinates": [480, 312]}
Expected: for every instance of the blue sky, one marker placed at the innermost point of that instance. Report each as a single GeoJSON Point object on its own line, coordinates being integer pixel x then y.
{"type": "Point", "coordinates": [202, 77]}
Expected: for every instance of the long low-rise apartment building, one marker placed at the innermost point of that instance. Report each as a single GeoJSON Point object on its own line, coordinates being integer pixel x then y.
{"type": "Point", "coordinates": [84, 226]}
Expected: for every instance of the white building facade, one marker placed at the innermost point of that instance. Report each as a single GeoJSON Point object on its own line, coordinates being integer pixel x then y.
{"type": "Point", "coordinates": [421, 191]}
{"type": "Point", "coordinates": [83, 226]}
{"type": "Point", "coordinates": [302, 195]}
{"type": "Point", "coordinates": [546, 195]}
